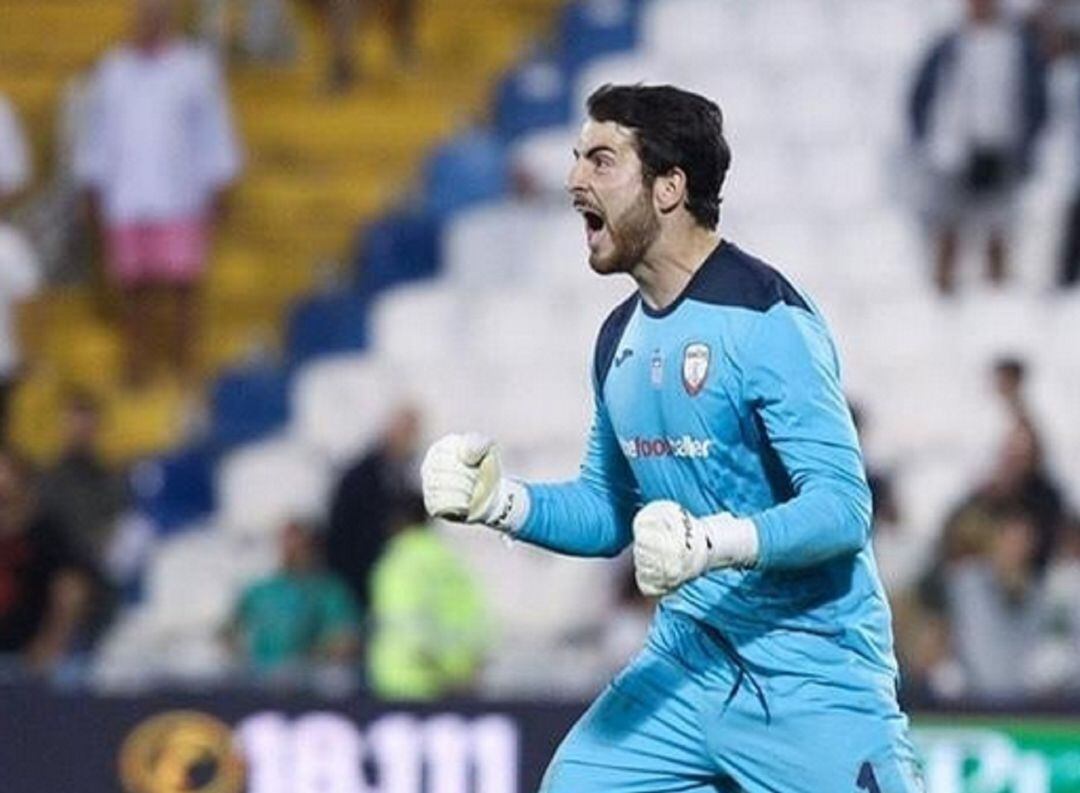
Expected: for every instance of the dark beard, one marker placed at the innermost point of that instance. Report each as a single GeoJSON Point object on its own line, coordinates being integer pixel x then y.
{"type": "Point", "coordinates": [631, 235]}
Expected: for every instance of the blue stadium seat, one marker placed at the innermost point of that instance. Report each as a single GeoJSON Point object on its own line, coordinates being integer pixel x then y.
{"type": "Point", "coordinates": [177, 488]}
{"type": "Point", "coordinates": [590, 28]}
{"type": "Point", "coordinates": [247, 403]}
{"type": "Point", "coordinates": [325, 324]}
{"type": "Point", "coordinates": [467, 170]}
{"type": "Point", "coordinates": [401, 246]}
{"type": "Point", "coordinates": [536, 94]}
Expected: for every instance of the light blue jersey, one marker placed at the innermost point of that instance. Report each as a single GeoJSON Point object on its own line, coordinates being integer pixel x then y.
{"type": "Point", "coordinates": [729, 400]}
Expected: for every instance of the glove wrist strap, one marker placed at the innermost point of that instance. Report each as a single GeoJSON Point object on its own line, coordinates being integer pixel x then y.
{"type": "Point", "coordinates": [733, 542]}
{"type": "Point", "coordinates": [509, 508]}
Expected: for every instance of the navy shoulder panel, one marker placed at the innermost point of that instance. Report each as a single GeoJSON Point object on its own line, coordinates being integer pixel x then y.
{"type": "Point", "coordinates": [732, 277]}
{"type": "Point", "coordinates": [608, 338]}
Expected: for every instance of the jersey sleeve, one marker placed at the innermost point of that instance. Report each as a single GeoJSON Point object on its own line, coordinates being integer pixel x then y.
{"type": "Point", "coordinates": [791, 380]}
{"type": "Point", "coordinates": [591, 515]}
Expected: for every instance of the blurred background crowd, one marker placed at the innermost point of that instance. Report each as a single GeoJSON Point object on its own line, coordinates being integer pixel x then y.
{"type": "Point", "coordinates": [255, 255]}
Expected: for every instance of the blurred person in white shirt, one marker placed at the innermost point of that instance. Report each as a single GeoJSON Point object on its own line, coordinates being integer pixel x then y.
{"type": "Point", "coordinates": [19, 267]}
{"type": "Point", "coordinates": [20, 276]}
{"type": "Point", "coordinates": [14, 157]}
{"type": "Point", "coordinates": [156, 152]}
{"type": "Point", "coordinates": [978, 105]}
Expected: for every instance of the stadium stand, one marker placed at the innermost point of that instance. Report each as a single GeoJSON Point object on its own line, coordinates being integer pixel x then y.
{"type": "Point", "coordinates": [471, 283]}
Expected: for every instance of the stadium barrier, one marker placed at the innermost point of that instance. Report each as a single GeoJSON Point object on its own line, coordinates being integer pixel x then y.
{"type": "Point", "coordinates": [254, 742]}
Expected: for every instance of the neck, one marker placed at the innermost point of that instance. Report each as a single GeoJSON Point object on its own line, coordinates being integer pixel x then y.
{"type": "Point", "coordinates": [667, 267]}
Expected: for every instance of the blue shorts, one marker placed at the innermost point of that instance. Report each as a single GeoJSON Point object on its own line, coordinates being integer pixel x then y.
{"type": "Point", "coordinates": [698, 711]}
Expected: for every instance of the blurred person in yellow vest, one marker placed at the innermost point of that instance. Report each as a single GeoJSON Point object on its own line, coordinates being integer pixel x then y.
{"type": "Point", "coordinates": [429, 625]}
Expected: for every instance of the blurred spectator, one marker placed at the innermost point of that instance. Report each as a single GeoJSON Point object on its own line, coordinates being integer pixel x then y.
{"type": "Point", "coordinates": [979, 102]}
{"type": "Point", "coordinates": [1018, 478]}
{"type": "Point", "coordinates": [14, 157]}
{"type": "Point", "coordinates": [20, 277]}
{"type": "Point", "coordinates": [1057, 665]}
{"type": "Point", "coordinates": [299, 616]}
{"type": "Point", "coordinates": [266, 28]}
{"type": "Point", "coordinates": [1010, 375]}
{"type": "Point", "coordinates": [995, 601]}
{"type": "Point", "coordinates": [1061, 22]}
{"type": "Point", "coordinates": [341, 19]}
{"type": "Point", "coordinates": [19, 268]}
{"type": "Point", "coordinates": [83, 493]}
{"type": "Point", "coordinates": [46, 588]}
{"type": "Point", "coordinates": [366, 499]}
{"type": "Point", "coordinates": [156, 152]}
{"type": "Point", "coordinates": [428, 624]}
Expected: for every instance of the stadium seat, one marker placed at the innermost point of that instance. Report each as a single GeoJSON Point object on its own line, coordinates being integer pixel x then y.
{"type": "Point", "coordinates": [515, 243]}
{"type": "Point", "coordinates": [262, 485]}
{"type": "Point", "coordinates": [178, 488]}
{"type": "Point", "coordinates": [626, 68]}
{"type": "Point", "coordinates": [823, 106]}
{"type": "Point", "coordinates": [860, 23]}
{"type": "Point", "coordinates": [542, 159]}
{"type": "Point", "coordinates": [341, 403]}
{"type": "Point", "coordinates": [418, 324]}
{"type": "Point", "coordinates": [695, 30]}
{"type": "Point", "coordinates": [826, 195]}
{"type": "Point", "coordinates": [467, 170]}
{"type": "Point", "coordinates": [790, 35]}
{"type": "Point", "coordinates": [532, 96]}
{"type": "Point", "coordinates": [401, 246]}
{"type": "Point", "coordinates": [483, 245]}
{"type": "Point", "coordinates": [248, 402]}
{"type": "Point", "coordinates": [590, 28]}
{"type": "Point", "coordinates": [191, 582]}
{"type": "Point", "coordinates": [325, 324]}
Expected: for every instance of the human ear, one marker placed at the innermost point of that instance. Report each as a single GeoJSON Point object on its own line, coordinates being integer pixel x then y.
{"type": "Point", "coordinates": [669, 190]}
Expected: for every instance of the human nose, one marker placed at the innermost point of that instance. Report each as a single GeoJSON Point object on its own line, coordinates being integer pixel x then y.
{"type": "Point", "coordinates": [575, 178]}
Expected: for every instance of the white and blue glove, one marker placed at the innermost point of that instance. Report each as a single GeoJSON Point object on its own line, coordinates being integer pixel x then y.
{"type": "Point", "coordinates": [672, 547]}
{"type": "Point", "coordinates": [462, 481]}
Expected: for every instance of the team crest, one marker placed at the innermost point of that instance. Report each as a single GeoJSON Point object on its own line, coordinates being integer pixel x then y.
{"type": "Point", "coordinates": [695, 367]}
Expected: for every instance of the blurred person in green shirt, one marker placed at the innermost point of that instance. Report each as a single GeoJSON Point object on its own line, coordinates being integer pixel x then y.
{"type": "Point", "coordinates": [298, 617]}
{"type": "Point", "coordinates": [429, 626]}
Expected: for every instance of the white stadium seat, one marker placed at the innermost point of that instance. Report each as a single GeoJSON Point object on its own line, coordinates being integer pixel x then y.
{"type": "Point", "coordinates": [630, 68]}
{"type": "Point", "coordinates": [790, 35]}
{"type": "Point", "coordinates": [341, 404]}
{"type": "Point", "coordinates": [544, 158]}
{"type": "Point", "coordinates": [417, 324]}
{"type": "Point", "coordinates": [195, 578]}
{"type": "Point", "coordinates": [694, 29]}
{"type": "Point", "coordinates": [265, 484]}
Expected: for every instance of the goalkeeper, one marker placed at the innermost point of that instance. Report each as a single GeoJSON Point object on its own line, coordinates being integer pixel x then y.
{"type": "Point", "coordinates": [723, 451]}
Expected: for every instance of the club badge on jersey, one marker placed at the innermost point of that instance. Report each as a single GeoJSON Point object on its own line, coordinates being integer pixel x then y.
{"type": "Point", "coordinates": [695, 367]}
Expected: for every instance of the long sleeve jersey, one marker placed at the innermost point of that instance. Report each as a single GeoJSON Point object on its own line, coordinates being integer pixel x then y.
{"type": "Point", "coordinates": [729, 400]}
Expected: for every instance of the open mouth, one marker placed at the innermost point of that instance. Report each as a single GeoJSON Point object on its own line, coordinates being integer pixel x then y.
{"type": "Point", "coordinates": [594, 222]}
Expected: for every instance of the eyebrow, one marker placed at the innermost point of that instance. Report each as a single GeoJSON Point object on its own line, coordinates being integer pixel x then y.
{"type": "Point", "coordinates": [594, 150]}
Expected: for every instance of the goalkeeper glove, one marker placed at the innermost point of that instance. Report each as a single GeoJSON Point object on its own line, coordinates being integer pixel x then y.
{"type": "Point", "coordinates": [462, 481]}
{"type": "Point", "coordinates": [672, 547]}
